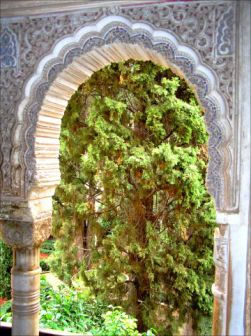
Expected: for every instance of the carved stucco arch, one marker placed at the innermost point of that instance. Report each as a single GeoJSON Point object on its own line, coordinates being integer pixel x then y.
{"type": "Point", "coordinates": [34, 160]}
{"type": "Point", "coordinates": [71, 62]}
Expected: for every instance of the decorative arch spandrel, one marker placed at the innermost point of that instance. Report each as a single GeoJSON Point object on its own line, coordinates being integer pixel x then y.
{"type": "Point", "coordinates": [75, 58]}
{"type": "Point", "coordinates": [196, 38]}
{"type": "Point", "coordinates": [207, 27]}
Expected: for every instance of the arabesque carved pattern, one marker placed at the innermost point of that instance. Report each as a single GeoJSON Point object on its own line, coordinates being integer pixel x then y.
{"type": "Point", "coordinates": [225, 34]}
{"type": "Point", "coordinates": [207, 27]}
{"type": "Point", "coordinates": [121, 33]}
{"type": "Point", "coordinates": [8, 50]}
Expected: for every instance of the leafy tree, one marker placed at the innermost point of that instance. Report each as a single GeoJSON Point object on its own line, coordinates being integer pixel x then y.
{"type": "Point", "coordinates": [5, 269]}
{"type": "Point", "coordinates": [132, 206]}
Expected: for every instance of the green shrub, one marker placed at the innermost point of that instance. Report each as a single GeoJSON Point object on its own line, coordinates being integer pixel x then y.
{"type": "Point", "coordinates": [204, 326]}
{"type": "Point", "coordinates": [118, 323]}
{"type": "Point", "coordinates": [48, 246]}
{"type": "Point", "coordinates": [44, 265]}
{"type": "Point", "coordinates": [5, 312]}
{"type": "Point", "coordinates": [74, 311]}
{"type": "Point", "coordinates": [69, 310]}
{"type": "Point", "coordinates": [5, 267]}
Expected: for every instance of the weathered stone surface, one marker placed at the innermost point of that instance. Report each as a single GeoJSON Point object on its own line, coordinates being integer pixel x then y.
{"type": "Point", "coordinates": [220, 286]}
{"type": "Point", "coordinates": [25, 283]}
{"type": "Point", "coordinates": [20, 234]}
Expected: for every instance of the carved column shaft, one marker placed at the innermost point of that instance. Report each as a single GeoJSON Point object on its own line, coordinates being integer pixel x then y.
{"type": "Point", "coordinates": [25, 281]}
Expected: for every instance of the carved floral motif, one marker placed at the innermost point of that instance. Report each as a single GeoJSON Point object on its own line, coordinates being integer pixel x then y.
{"type": "Point", "coordinates": [206, 26]}
{"type": "Point", "coordinates": [188, 22]}
{"type": "Point", "coordinates": [224, 33]}
{"type": "Point", "coordinates": [119, 32]}
{"type": "Point", "coordinates": [8, 48]}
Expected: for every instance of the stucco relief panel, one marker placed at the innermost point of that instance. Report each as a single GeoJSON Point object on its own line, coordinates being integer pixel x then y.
{"type": "Point", "coordinates": [207, 27]}
{"type": "Point", "coordinates": [8, 48]}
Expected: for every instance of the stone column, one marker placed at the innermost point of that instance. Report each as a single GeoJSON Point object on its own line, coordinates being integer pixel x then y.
{"type": "Point", "coordinates": [220, 286]}
{"type": "Point", "coordinates": [25, 237]}
{"type": "Point", "coordinates": [25, 284]}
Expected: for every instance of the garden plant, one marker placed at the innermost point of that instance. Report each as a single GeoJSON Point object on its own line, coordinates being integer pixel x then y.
{"type": "Point", "coordinates": [132, 215]}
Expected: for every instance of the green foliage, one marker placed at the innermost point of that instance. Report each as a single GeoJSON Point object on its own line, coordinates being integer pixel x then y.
{"type": "Point", "coordinates": [5, 269]}
{"type": "Point", "coordinates": [203, 324]}
{"type": "Point", "coordinates": [44, 265]}
{"type": "Point", "coordinates": [68, 310]}
{"type": "Point", "coordinates": [118, 323]}
{"type": "Point", "coordinates": [64, 260]}
{"type": "Point", "coordinates": [5, 312]}
{"type": "Point", "coordinates": [133, 163]}
{"type": "Point", "coordinates": [47, 246]}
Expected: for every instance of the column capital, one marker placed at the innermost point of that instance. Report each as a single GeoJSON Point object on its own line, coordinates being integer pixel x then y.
{"type": "Point", "coordinates": [27, 223]}
{"type": "Point", "coordinates": [20, 233]}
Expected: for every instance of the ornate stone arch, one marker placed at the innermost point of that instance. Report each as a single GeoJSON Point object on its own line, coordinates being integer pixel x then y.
{"type": "Point", "coordinates": [39, 44]}
{"type": "Point", "coordinates": [34, 159]}
{"type": "Point", "coordinates": [73, 59]}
